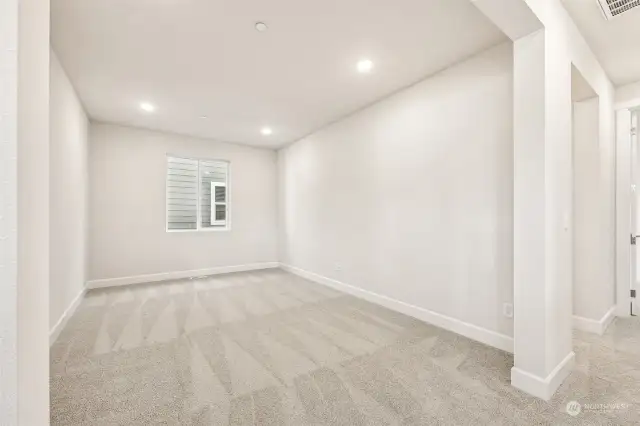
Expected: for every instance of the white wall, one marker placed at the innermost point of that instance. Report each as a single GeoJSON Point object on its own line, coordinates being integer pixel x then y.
{"type": "Point", "coordinates": [588, 301]}
{"type": "Point", "coordinates": [127, 205]}
{"type": "Point", "coordinates": [628, 96]}
{"type": "Point", "coordinates": [33, 213]}
{"type": "Point", "coordinates": [68, 180]}
{"type": "Point", "coordinates": [412, 198]}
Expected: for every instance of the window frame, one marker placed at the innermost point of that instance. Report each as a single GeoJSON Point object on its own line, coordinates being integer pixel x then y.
{"type": "Point", "coordinates": [215, 204]}
{"type": "Point", "coordinates": [198, 227]}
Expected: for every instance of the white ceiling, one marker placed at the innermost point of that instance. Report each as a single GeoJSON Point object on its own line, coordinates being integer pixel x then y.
{"type": "Point", "coordinates": [204, 57]}
{"type": "Point", "coordinates": [616, 43]}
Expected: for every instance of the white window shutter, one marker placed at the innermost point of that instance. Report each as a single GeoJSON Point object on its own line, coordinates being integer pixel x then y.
{"type": "Point", "coordinates": [213, 197]}
{"type": "Point", "coordinates": [219, 212]}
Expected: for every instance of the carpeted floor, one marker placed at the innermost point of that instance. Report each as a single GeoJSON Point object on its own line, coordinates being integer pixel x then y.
{"type": "Point", "coordinates": [269, 348]}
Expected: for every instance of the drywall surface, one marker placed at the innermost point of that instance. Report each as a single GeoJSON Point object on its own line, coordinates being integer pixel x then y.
{"type": "Point", "coordinates": [128, 234]}
{"type": "Point", "coordinates": [591, 299]}
{"type": "Point", "coordinates": [68, 180]}
{"type": "Point", "coordinates": [412, 198]}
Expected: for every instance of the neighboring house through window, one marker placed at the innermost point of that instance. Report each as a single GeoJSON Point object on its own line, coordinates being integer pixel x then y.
{"type": "Point", "coordinates": [197, 194]}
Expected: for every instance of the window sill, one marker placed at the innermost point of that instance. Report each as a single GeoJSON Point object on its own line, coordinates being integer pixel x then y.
{"type": "Point", "coordinates": [181, 231]}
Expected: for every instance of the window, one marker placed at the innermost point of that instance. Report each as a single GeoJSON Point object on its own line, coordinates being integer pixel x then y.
{"type": "Point", "coordinates": [197, 194]}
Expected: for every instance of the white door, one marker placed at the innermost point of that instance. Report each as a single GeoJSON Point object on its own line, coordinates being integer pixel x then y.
{"type": "Point", "coordinates": [635, 220]}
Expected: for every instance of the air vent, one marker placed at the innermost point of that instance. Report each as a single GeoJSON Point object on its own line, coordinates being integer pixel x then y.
{"type": "Point", "coordinates": [613, 8]}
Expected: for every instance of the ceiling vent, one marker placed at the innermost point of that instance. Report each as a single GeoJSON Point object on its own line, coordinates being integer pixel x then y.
{"type": "Point", "coordinates": [613, 8]}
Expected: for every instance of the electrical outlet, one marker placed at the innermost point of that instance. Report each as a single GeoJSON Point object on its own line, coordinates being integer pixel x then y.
{"type": "Point", "coordinates": [507, 310]}
{"type": "Point", "coordinates": [337, 267]}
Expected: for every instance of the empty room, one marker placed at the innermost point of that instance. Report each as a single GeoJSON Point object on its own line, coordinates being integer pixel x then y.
{"type": "Point", "coordinates": [421, 212]}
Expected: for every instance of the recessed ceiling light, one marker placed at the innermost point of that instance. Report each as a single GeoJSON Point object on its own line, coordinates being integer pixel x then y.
{"type": "Point", "coordinates": [266, 131]}
{"type": "Point", "coordinates": [146, 106]}
{"type": "Point", "coordinates": [204, 117]}
{"type": "Point", "coordinates": [365, 66]}
{"type": "Point", "coordinates": [261, 27]}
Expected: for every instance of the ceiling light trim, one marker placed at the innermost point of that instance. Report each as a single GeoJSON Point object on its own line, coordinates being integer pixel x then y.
{"type": "Point", "coordinates": [147, 106]}
{"type": "Point", "coordinates": [365, 66]}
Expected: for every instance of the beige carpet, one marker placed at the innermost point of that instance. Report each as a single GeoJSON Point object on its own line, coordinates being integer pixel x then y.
{"type": "Point", "coordinates": [269, 348]}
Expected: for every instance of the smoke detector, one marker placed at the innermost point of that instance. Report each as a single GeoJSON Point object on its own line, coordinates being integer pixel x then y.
{"type": "Point", "coordinates": [613, 8]}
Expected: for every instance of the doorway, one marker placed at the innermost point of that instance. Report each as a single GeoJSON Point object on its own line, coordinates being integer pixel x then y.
{"type": "Point", "coordinates": [634, 216]}
{"type": "Point", "coordinates": [627, 211]}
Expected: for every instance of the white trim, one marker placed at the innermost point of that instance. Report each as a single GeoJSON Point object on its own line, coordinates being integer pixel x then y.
{"type": "Point", "coordinates": [226, 183]}
{"type": "Point", "coordinates": [623, 209]}
{"type": "Point", "coordinates": [215, 204]}
{"type": "Point", "coordinates": [179, 231]}
{"type": "Point", "coordinates": [164, 276]}
{"type": "Point", "coordinates": [608, 318]}
{"type": "Point", "coordinates": [471, 331]}
{"type": "Point", "coordinates": [595, 326]}
{"type": "Point", "coordinates": [539, 387]}
{"type": "Point", "coordinates": [62, 322]}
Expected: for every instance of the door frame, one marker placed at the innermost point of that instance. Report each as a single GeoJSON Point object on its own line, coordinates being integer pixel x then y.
{"type": "Point", "coordinates": [623, 208]}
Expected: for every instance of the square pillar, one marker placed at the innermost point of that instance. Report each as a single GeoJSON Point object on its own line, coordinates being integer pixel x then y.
{"type": "Point", "coordinates": [8, 211]}
{"type": "Point", "coordinates": [33, 213]}
{"type": "Point", "coordinates": [543, 355]}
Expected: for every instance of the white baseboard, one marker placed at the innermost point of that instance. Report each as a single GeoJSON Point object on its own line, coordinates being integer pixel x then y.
{"type": "Point", "coordinates": [164, 276]}
{"type": "Point", "coordinates": [55, 331]}
{"type": "Point", "coordinates": [471, 331]}
{"type": "Point", "coordinates": [543, 388]}
{"type": "Point", "coordinates": [595, 326]}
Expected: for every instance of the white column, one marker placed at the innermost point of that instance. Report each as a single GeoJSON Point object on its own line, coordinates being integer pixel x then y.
{"type": "Point", "coordinates": [33, 213]}
{"type": "Point", "coordinates": [543, 353]}
{"type": "Point", "coordinates": [546, 44]}
{"type": "Point", "coordinates": [8, 211]}
{"type": "Point", "coordinates": [529, 201]}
